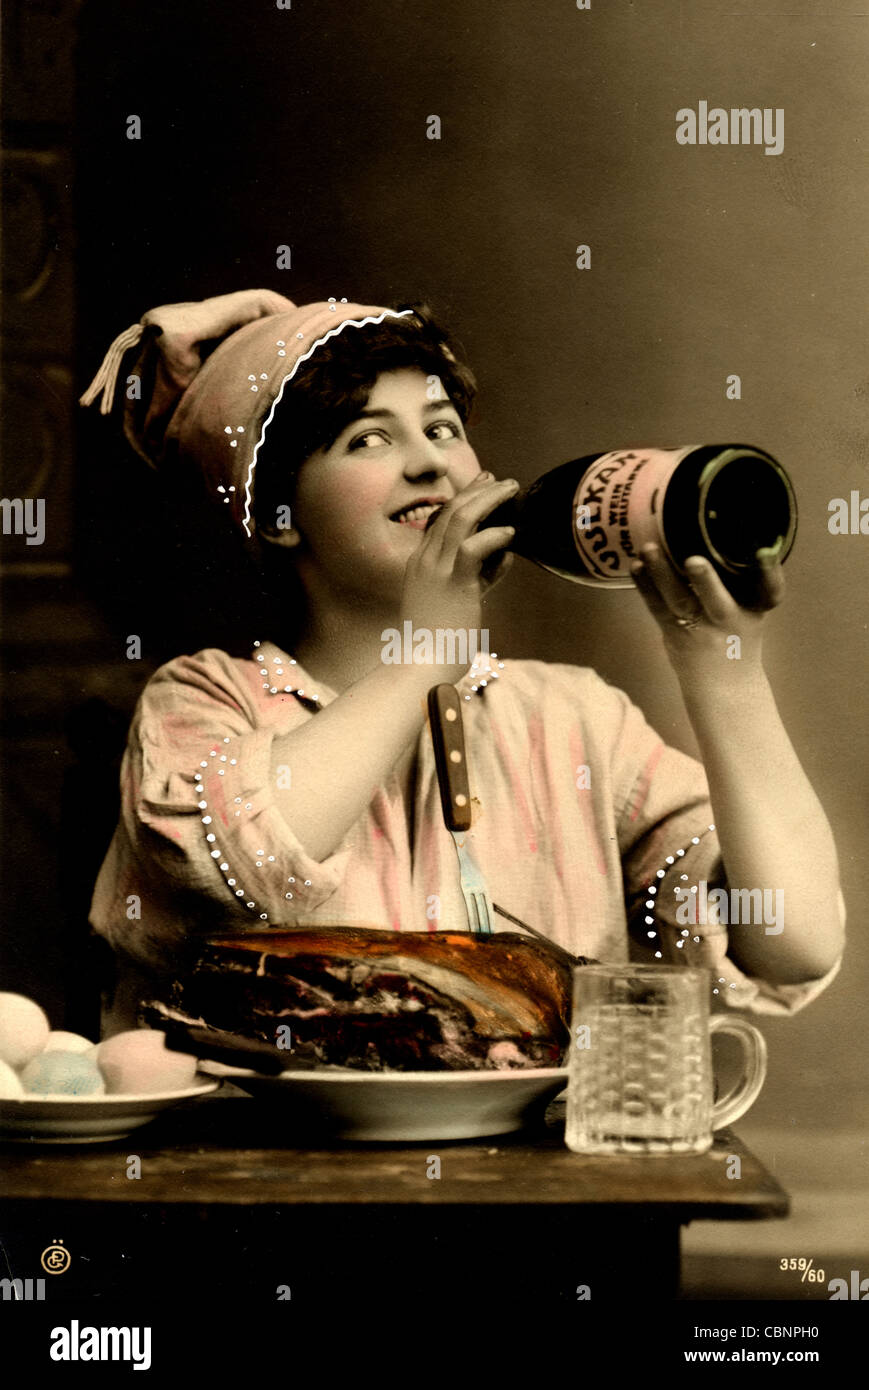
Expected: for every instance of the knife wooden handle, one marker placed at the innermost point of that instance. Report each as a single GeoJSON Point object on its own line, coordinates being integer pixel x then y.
{"type": "Point", "coordinates": [222, 1047]}
{"type": "Point", "coordinates": [448, 739]}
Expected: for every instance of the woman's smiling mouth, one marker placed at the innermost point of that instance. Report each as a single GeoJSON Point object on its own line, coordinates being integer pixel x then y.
{"type": "Point", "coordinates": [418, 514]}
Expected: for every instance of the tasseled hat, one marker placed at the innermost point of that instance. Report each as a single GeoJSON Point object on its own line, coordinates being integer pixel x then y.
{"type": "Point", "coordinates": [210, 374]}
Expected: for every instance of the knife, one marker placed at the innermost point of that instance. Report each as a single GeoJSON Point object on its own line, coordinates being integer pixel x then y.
{"type": "Point", "coordinates": [448, 739]}
{"type": "Point", "coordinates": [205, 1042]}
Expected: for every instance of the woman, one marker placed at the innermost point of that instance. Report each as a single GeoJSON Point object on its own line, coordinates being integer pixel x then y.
{"type": "Point", "coordinates": [296, 785]}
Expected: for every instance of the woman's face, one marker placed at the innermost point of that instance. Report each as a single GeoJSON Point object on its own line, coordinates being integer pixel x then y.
{"type": "Point", "coordinates": [403, 450]}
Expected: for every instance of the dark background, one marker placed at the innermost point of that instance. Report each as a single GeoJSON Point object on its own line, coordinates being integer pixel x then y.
{"type": "Point", "coordinates": [308, 127]}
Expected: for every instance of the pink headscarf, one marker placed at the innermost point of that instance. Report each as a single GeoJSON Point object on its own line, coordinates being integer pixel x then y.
{"type": "Point", "coordinates": [212, 404]}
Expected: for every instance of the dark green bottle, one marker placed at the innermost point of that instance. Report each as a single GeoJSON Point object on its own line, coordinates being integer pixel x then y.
{"type": "Point", "coordinates": [587, 520]}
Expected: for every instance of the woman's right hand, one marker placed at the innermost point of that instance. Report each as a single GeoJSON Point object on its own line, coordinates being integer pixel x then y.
{"type": "Point", "coordinates": [455, 564]}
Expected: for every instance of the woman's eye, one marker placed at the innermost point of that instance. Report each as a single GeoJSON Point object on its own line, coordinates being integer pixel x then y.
{"type": "Point", "coordinates": [359, 441]}
{"type": "Point", "coordinates": [364, 441]}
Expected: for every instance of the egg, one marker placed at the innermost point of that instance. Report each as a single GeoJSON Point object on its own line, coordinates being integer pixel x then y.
{"type": "Point", "coordinates": [10, 1086]}
{"type": "Point", "coordinates": [68, 1042]}
{"type": "Point", "coordinates": [23, 1029]}
{"type": "Point", "coordinates": [139, 1063]}
{"type": "Point", "coordinates": [62, 1074]}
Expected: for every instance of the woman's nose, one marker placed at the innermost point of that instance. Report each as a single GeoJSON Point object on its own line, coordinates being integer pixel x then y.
{"type": "Point", "coordinates": [425, 458]}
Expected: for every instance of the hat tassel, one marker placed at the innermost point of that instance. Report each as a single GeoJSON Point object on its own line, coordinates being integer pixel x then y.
{"type": "Point", "coordinates": [107, 376]}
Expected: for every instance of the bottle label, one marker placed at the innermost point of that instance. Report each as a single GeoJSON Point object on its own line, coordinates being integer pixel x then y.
{"type": "Point", "coordinates": [618, 505]}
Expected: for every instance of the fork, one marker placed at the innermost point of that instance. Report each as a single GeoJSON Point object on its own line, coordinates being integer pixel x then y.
{"type": "Point", "coordinates": [448, 739]}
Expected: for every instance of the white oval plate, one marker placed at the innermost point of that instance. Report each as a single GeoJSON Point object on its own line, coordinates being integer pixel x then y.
{"type": "Point", "coordinates": [403, 1106]}
{"type": "Point", "coordinates": [88, 1119]}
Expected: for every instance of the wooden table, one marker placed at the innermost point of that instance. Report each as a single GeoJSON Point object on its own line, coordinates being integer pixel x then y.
{"type": "Point", "coordinates": [219, 1208]}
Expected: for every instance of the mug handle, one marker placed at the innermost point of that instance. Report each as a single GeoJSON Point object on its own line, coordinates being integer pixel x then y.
{"type": "Point", "coordinates": [746, 1091]}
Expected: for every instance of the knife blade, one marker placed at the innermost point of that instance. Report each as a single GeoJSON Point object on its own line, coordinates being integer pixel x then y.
{"type": "Point", "coordinates": [213, 1044]}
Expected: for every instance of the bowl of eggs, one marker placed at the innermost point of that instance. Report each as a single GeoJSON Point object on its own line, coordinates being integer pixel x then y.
{"type": "Point", "coordinates": [62, 1088]}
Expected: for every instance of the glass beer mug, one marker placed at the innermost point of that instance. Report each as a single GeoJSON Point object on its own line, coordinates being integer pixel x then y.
{"type": "Point", "coordinates": [640, 1071]}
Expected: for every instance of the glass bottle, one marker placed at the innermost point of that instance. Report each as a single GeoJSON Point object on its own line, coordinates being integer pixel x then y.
{"type": "Point", "coordinates": [587, 520]}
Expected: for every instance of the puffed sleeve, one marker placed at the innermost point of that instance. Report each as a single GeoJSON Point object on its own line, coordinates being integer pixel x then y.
{"type": "Point", "coordinates": [669, 847]}
{"type": "Point", "coordinates": [198, 803]}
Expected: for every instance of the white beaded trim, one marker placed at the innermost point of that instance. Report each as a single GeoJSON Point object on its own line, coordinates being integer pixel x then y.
{"type": "Point", "coordinates": [488, 673]}
{"type": "Point", "coordinates": [211, 838]}
{"type": "Point", "coordinates": [280, 662]}
{"type": "Point", "coordinates": [216, 852]}
{"type": "Point", "coordinates": [653, 888]}
{"type": "Point", "coordinates": [324, 337]}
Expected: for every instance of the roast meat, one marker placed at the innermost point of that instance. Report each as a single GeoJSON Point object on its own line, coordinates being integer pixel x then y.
{"type": "Point", "coordinates": [388, 1001]}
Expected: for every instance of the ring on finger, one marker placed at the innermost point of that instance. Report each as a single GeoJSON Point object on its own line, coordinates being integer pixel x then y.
{"type": "Point", "coordinates": [692, 622]}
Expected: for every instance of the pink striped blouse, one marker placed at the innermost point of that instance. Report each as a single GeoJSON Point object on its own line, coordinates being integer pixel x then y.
{"type": "Point", "coordinates": [582, 817]}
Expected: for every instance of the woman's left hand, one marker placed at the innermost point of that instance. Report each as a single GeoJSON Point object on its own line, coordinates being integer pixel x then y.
{"type": "Point", "coordinates": [699, 619]}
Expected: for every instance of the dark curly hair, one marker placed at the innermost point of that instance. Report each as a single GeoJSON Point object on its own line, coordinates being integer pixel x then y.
{"type": "Point", "coordinates": [329, 390]}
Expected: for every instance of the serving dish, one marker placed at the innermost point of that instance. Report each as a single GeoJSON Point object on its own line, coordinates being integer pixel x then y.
{"type": "Point", "coordinates": [400, 1106]}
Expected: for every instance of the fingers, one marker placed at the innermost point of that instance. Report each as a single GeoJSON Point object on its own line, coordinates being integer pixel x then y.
{"type": "Point", "coordinates": [714, 599]}
{"type": "Point", "coordinates": [478, 548]}
{"type": "Point", "coordinates": [702, 593]}
{"type": "Point", "coordinates": [669, 596]}
{"type": "Point", "coordinates": [460, 517]}
{"type": "Point", "coordinates": [646, 585]}
{"type": "Point", "coordinates": [676, 594]}
{"type": "Point", "coordinates": [473, 490]}
{"type": "Point", "coordinates": [495, 569]}
{"type": "Point", "coordinates": [771, 580]}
